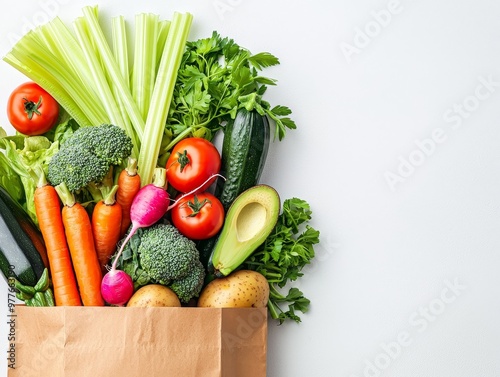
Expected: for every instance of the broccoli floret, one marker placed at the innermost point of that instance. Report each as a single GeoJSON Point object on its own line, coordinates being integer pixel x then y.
{"type": "Point", "coordinates": [77, 167]}
{"type": "Point", "coordinates": [159, 254]}
{"type": "Point", "coordinates": [190, 285]}
{"type": "Point", "coordinates": [106, 141]}
{"type": "Point", "coordinates": [87, 155]}
{"type": "Point", "coordinates": [165, 254]}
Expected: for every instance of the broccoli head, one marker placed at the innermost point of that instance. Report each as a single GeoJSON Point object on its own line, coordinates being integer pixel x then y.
{"type": "Point", "coordinates": [159, 254]}
{"type": "Point", "coordinates": [190, 285]}
{"type": "Point", "coordinates": [86, 156]}
{"type": "Point", "coordinates": [106, 141]}
{"type": "Point", "coordinates": [77, 167]}
{"type": "Point", "coordinates": [166, 254]}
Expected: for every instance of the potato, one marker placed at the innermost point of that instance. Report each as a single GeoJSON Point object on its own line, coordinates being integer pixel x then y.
{"type": "Point", "coordinates": [240, 289]}
{"type": "Point", "coordinates": [154, 295]}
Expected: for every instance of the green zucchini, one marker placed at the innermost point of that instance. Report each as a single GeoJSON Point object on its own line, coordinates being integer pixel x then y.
{"type": "Point", "coordinates": [19, 258]}
{"type": "Point", "coordinates": [244, 152]}
{"type": "Point", "coordinates": [29, 227]}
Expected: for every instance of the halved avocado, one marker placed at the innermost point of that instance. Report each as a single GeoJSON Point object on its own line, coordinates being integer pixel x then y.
{"type": "Point", "coordinates": [249, 221]}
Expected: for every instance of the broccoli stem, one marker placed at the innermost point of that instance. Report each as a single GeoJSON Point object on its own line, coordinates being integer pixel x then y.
{"type": "Point", "coordinates": [107, 189]}
{"type": "Point", "coordinates": [94, 191]}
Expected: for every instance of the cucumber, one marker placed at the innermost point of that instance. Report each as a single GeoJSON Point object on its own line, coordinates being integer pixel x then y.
{"type": "Point", "coordinates": [244, 152]}
{"type": "Point", "coordinates": [19, 258]}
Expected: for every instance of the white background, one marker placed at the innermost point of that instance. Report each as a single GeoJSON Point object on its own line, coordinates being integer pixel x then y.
{"type": "Point", "coordinates": [370, 81]}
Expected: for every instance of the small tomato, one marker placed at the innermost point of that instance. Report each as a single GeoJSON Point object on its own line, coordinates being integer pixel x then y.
{"type": "Point", "coordinates": [31, 110]}
{"type": "Point", "coordinates": [193, 161]}
{"type": "Point", "coordinates": [198, 216]}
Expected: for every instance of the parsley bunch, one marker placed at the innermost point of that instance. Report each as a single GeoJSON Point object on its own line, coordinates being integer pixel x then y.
{"type": "Point", "coordinates": [216, 78]}
{"type": "Point", "coordinates": [282, 256]}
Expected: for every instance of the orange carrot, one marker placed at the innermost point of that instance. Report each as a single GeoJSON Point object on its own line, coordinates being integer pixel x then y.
{"type": "Point", "coordinates": [129, 183]}
{"type": "Point", "coordinates": [106, 227]}
{"type": "Point", "coordinates": [78, 230]}
{"type": "Point", "coordinates": [48, 212]}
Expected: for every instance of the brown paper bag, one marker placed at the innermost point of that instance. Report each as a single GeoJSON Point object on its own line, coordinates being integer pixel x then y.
{"type": "Point", "coordinates": [111, 341]}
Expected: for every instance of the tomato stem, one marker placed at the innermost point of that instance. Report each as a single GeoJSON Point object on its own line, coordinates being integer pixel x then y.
{"type": "Point", "coordinates": [196, 205]}
{"type": "Point", "coordinates": [31, 107]}
{"type": "Point", "coordinates": [183, 159]}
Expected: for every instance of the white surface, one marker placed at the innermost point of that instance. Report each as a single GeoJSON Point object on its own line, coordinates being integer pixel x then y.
{"type": "Point", "coordinates": [387, 256]}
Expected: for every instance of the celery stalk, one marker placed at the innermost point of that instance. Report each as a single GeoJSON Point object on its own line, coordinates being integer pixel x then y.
{"type": "Point", "coordinates": [37, 63]}
{"type": "Point", "coordinates": [144, 71]}
{"type": "Point", "coordinates": [93, 82]}
{"type": "Point", "coordinates": [69, 52]}
{"type": "Point", "coordinates": [54, 85]}
{"type": "Point", "coordinates": [164, 27]}
{"type": "Point", "coordinates": [162, 94]}
{"type": "Point", "coordinates": [120, 45]}
{"type": "Point", "coordinates": [98, 76]}
{"type": "Point", "coordinates": [66, 48]}
{"type": "Point", "coordinates": [114, 75]}
{"type": "Point", "coordinates": [120, 52]}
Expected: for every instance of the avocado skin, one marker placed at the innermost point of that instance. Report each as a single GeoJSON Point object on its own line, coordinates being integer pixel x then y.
{"type": "Point", "coordinates": [229, 252]}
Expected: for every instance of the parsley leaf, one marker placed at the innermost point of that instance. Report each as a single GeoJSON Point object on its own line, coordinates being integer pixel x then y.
{"type": "Point", "coordinates": [282, 256]}
{"type": "Point", "coordinates": [263, 60]}
{"type": "Point", "coordinates": [215, 79]}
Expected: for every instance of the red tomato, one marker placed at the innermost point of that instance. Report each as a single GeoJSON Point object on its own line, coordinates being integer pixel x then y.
{"type": "Point", "coordinates": [198, 216]}
{"type": "Point", "coordinates": [192, 161]}
{"type": "Point", "coordinates": [31, 110]}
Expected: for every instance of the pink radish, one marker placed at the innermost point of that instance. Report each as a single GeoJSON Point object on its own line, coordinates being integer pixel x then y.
{"type": "Point", "coordinates": [117, 287]}
{"type": "Point", "coordinates": [150, 204]}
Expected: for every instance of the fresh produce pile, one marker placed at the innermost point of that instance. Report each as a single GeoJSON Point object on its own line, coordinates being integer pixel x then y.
{"type": "Point", "coordinates": [112, 191]}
